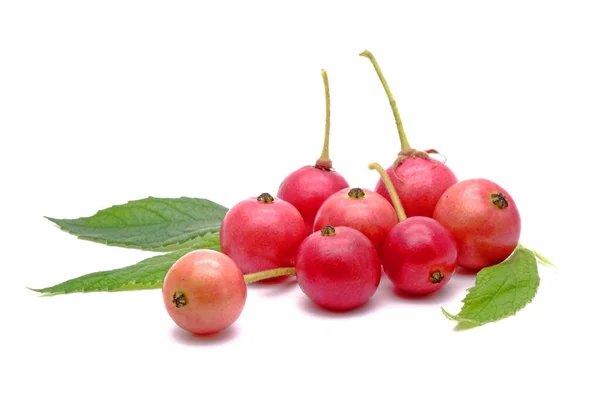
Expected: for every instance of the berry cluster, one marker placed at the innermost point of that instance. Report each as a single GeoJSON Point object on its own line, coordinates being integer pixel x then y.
{"type": "Point", "coordinates": [417, 225]}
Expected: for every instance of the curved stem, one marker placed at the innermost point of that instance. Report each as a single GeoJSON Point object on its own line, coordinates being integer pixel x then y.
{"type": "Point", "coordinates": [391, 190]}
{"type": "Point", "coordinates": [324, 161]}
{"type": "Point", "coordinates": [403, 140]}
{"type": "Point", "coordinates": [271, 273]}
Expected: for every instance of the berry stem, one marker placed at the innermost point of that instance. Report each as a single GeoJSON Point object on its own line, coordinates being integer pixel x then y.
{"type": "Point", "coordinates": [391, 190]}
{"type": "Point", "coordinates": [271, 273]}
{"type": "Point", "coordinates": [324, 161]}
{"type": "Point", "coordinates": [403, 140]}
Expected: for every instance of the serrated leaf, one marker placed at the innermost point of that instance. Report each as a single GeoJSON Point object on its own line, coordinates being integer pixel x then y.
{"type": "Point", "coordinates": [147, 274]}
{"type": "Point", "coordinates": [158, 224]}
{"type": "Point", "coordinates": [501, 290]}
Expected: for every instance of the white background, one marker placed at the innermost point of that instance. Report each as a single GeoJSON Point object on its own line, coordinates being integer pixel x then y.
{"type": "Point", "coordinates": [105, 102]}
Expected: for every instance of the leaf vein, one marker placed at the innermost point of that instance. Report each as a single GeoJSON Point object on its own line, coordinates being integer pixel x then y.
{"type": "Point", "coordinates": [154, 212]}
{"type": "Point", "coordinates": [493, 296]}
{"type": "Point", "coordinates": [177, 209]}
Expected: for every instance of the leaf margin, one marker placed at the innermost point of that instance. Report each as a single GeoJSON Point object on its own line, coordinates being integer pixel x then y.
{"type": "Point", "coordinates": [131, 285]}
{"type": "Point", "coordinates": [177, 245]}
{"type": "Point", "coordinates": [468, 321]}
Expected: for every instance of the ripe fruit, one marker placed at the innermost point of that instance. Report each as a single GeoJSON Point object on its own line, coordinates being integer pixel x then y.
{"type": "Point", "coordinates": [308, 187]}
{"type": "Point", "coordinates": [204, 291]}
{"type": "Point", "coordinates": [418, 179]}
{"type": "Point", "coordinates": [361, 209]}
{"type": "Point", "coordinates": [262, 233]}
{"type": "Point", "coordinates": [483, 218]}
{"type": "Point", "coordinates": [419, 182]}
{"type": "Point", "coordinates": [419, 255]}
{"type": "Point", "coordinates": [338, 268]}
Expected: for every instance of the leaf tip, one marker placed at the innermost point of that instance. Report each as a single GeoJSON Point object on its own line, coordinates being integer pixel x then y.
{"type": "Point", "coordinates": [541, 258]}
{"type": "Point", "coordinates": [43, 292]}
{"type": "Point", "coordinates": [449, 316]}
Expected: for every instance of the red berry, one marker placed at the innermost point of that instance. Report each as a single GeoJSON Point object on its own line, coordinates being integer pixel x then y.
{"type": "Point", "coordinates": [338, 268]}
{"type": "Point", "coordinates": [262, 233]}
{"type": "Point", "coordinates": [204, 292]}
{"type": "Point", "coordinates": [361, 209]}
{"type": "Point", "coordinates": [419, 183]}
{"type": "Point", "coordinates": [483, 218]}
{"type": "Point", "coordinates": [419, 255]}
{"type": "Point", "coordinates": [308, 187]}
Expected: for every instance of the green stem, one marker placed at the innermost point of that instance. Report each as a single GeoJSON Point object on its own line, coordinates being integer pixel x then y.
{"type": "Point", "coordinates": [391, 190]}
{"type": "Point", "coordinates": [324, 161]}
{"type": "Point", "coordinates": [271, 273]}
{"type": "Point", "coordinates": [403, 140]}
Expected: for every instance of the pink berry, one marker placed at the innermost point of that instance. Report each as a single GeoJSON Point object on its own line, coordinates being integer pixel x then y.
{"type": "Point", "coordinates": [308, 187]}
{"type": "Point", "coordinates": [204, 291]}
{"type": "Point", "coordinates": [484, 219]}
{"type": "Point", "coordinates": [418, 179]}
{"type": "Point", "coordinates": [338, 268]}
{"type": "Point", "coordinates": [361, 209]}
{"type": "Point", "coordinates": [419, 255]}
{"type": "Point", "coordinates": [262, 233]}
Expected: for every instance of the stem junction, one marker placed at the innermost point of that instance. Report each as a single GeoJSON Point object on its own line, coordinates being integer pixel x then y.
{"type": "Point", "coordinates": [391, 190]}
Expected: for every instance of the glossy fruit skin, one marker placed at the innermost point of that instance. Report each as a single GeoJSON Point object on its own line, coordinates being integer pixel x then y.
{"type": "Point", "coordinates": [339, 272]}
{"type": "Point", "coordinates": [486, 234]}
{"type": "Point", "coordinates": [307, 188]}
{"type": "Point", "coordinates": [214, 289]}
{"type": "Point", "coordinates": [372, 214]}
{"type": "Point", "coordinates": [416, 248]}
{"type": "Point", "coordinates": [422, 182]}
{"type": "Point", "coordinates": [260, 236]}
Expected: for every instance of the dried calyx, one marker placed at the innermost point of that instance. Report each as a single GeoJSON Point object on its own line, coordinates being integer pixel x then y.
{"type": "Point", "coordinates": [499, 200]}
{"type": "Point", "coordinates": [265, 198]}
{"type": "Point", "coordinates": [328, 231]}
{"type": "Point", "coordinates": [179, 299]}
{"type": "Point", "coordinates": [356, 193]}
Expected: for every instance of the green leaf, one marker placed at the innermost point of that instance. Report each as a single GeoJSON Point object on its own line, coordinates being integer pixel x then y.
{"type": "Point", "coordinates": [501, 290]}
{"type": "Point", "coordinates": [147, 274]}
{"type": "Point", "coordinates": [158, 224]}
